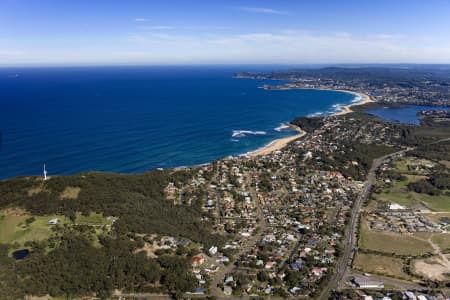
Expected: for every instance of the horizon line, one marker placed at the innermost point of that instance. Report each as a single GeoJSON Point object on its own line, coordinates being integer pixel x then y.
{"type": "Point", "coordinates": [217, 64]}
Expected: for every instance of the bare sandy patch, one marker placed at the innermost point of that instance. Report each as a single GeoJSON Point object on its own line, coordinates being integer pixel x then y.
{"type": "Point", "coordinates": [34, 190]}
{"type": "Point", "coordinates": [445, 163]}
{"type": "Point", "coordinates": [14, 212]}
{"type": "Point", "coordinates": [433, 268]}
{"type": "Point", "coordinates": [149, 249]}
{"type": "Point", "coordinates": [70, 193]}
{"type": "Point", "coordinates": [47, 297]}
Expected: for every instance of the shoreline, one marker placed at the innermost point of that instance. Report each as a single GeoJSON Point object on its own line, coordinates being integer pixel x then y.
{"type": "Point", "coordinates": [272, 146]}
{"type": "Point", "coordinates": [345, 109]}
{"type": "Point", "coordinates": [277, 144]}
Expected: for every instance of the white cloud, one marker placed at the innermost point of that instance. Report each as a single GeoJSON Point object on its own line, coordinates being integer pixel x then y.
{"type": "Point", "coordinates": [158, 27]}
{"type": "Point", "coordinates": [288, 46]}
{"type": "Point", "coordinates": [263, 10]}
{"type": "Point", "coordinates": [386, 36]}
{"type": "Point", "coordinates": [141, 20]}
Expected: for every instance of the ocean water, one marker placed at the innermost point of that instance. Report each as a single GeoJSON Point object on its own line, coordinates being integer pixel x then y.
{"type": "Point", "coordinates": [133, 119]}
{"type": "Point", "coordinates": [405, 115]}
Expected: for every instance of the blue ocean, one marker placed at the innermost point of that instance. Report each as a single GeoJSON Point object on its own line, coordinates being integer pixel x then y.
{"type": "Point", "coordinates": [134, 119]}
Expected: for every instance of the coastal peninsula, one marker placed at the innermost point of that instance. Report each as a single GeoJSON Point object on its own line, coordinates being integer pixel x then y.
{"type": "Point", "coordinates": [345, 109]}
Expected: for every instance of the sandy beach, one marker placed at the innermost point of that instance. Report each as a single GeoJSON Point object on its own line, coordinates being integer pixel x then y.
{"type": "Point", "coordinates": [277, 144]}
{"type": "Point", "coordinates": [345, 109]}
{"type": "Point", "coordinates": [281, 143]}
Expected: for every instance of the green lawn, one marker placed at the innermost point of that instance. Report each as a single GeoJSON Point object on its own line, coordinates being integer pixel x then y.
{"type": "Point", "coordinates": [13, 228]}
{"type": "Point", "coordinates": [93, 219]}
{"type": "Point", "coordinates": [399, 193]}
{"type": "Point", "coordinates": [402, 165]}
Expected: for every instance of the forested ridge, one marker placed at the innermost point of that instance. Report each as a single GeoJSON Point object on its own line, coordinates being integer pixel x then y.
{"type": "Point", "coordinates": [136, 200]}
{"type": "Point", "coordinates": [71, 263]}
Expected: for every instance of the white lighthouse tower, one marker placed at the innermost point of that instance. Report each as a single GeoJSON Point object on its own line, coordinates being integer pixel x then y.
{"type": "Point", "coordinates": [45, 173]}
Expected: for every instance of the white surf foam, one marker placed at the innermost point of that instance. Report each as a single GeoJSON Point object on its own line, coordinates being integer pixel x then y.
{"type": "Point", "coordinates": [281, 127]}
{"type": "Point", "coordinates": [357, 99]}
{"type": "Point", "coordinates": [243, 133]}
{"type": "Point", "coordinates": [316, 114]}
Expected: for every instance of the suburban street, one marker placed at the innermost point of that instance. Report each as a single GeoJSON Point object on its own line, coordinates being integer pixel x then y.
{"type": "Point", "coordinates": [249, 243]}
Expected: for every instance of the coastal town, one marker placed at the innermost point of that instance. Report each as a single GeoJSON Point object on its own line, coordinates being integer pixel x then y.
{"type": "Point", "coordinates": [347, 207]}
{"type": "Point", "coordinates": [288, 209]}
{"type": "Point", "coordinates": [385, 86]}
{"type": "Point", "coordinates": [224, 150]}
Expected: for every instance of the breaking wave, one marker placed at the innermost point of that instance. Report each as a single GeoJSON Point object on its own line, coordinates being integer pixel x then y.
{"type": "Point", "coordinates": [281, 127]}
{"type": "Point", "coordinates": [243, 133]}
{"type": "Point", "coordinates": [316, 114]}
{"type": "Point", "coordinates": [357, 99]}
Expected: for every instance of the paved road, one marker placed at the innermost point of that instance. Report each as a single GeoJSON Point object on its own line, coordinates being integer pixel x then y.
{"type": "Point", "coordinates": [249, 244]}
{"type": "Point", "coordinates": [350, 242]}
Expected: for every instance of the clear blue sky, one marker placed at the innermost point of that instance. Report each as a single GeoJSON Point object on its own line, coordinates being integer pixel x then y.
{"type": "Point", "coordinates": [67, 32]}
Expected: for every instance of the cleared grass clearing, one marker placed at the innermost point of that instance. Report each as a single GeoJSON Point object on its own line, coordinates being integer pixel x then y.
{"type": "Point", "coordinates": [380, 264]}
{"type": "Point", "coordinates": [93, 219]}
{"type": "Point", "coordinates": [405, 165]}
{"type": "Point", "coordinates": [14, 228]}
{"type": "Point", "coordinates": [414, 178]}
{"type": "Point", "coordinates": [70, 192]}
{"type": "Point", "coordinates": [436, 217]}
{"type": "Point", "coordinates": [388, 242]}
{"type": "Point", "coordinates": [400, 194]}
{"type": "Point", "coordinates": [442, 240]}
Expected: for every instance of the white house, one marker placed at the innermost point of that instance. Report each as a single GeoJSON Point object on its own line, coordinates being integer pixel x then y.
{"type": "Point", "coordinates": [213, 250]}
{"type": "Point", "coordinates": [53, 221]}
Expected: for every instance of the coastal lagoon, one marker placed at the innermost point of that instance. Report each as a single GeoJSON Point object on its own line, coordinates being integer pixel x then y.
{"type": "Point", "coordinates": [134, 119]}
{"type": "Point", "coordinates": [406, 115]}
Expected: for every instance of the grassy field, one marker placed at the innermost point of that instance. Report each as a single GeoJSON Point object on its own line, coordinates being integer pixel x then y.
{"type": "Point", "coordinates": [436, 217]}
{"type": "Point", "coordinates": [93, 219]}
{"type": "Point", "coordinates": [442, 240]}
{"type": "Point", "coordinates": [391, 242]}
{"type": "Point", "coordinates": [405, 165]}
{"type": "Point", "coordinates": [380, 264]}
{"type": "Point", "coordinates": [399, 193]}
{"type": "Point", "coordinates": [403, 244]}
{"type": "Point", "coordinates": [14, 227]}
